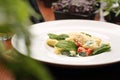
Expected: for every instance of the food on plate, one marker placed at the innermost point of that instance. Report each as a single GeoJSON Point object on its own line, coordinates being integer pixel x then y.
{"type": "Point", "coordinates": [77, 44]}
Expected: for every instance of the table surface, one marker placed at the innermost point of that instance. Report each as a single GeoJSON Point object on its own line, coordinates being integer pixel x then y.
{"type": "Point", "coordinates": [104, 72]}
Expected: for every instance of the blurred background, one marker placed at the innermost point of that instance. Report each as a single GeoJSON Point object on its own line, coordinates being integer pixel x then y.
{"type": "Point", "coordinates": [16, 17]}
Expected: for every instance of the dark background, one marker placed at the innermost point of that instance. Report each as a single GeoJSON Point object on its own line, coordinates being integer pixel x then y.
{"type": "Point", "coordinates": [98, 72]}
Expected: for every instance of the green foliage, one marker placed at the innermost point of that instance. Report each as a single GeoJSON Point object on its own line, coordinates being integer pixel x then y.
{"type": "Point", "coordinates": [14, 18]}
{"type": "Point", "coordinates": [58, 37]}
{"type": "Point", "coordinates": [112, 5]}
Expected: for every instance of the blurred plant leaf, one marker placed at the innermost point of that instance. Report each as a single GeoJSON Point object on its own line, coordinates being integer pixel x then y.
{"type": "Point", "coordinates": [112, 5]}
{"type": "Point", "coordinates": [15, 19]}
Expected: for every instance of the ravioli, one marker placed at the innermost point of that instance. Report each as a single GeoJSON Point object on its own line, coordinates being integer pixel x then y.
{"type": "Point", "coordinates": [77, 44]}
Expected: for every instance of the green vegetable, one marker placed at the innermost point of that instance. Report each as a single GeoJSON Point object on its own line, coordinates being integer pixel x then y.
{"type": "Point", "coordinates": [83, 54]}
{"type": "Point", "coordinates": [52, 36]}
{"type": "Point", "coordinates": [86, 34]}
{"type": "Point", "coordinates": [102, 49]}
{"type": "Point", "coordinates": [67, 53]}
{"type": "Point", "coordinates": [66, 45]}
{"type": "Point", "coordinates": [62, 36]}
{"type": "Point", "coordinates": [58, 37]}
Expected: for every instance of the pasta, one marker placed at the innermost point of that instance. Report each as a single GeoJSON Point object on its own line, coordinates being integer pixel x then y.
{"type": "Point", "coordinates": [77, 44]}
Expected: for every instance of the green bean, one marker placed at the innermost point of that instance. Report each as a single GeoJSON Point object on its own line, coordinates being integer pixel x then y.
{"type": "Point", "coordinates": [102, 49]}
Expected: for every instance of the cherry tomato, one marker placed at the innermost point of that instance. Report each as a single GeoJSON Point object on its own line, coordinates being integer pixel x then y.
{"type": "Point", "coordinates": [89, 51]}
{"type": "Point", "coordinates": [81, 49]}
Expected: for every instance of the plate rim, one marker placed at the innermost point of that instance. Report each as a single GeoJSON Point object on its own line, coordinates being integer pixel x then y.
{"type": "Point", "coordinates": [12, 42]}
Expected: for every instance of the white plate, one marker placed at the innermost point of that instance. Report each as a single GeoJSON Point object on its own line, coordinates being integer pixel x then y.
{"type": "Point", "coordinates": [42, 52]}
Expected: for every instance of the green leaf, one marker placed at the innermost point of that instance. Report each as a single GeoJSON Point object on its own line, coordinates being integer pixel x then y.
{"type": "Point", "coordinates": [117, 13]}
{"type": "Point", "coordinates": [62, 36]}
{"type": "Point", "coordinates": [66, 45]}
{"type": "Point", "coordinates": [52, 36]}
{"type": "Point", "coordinates": [6, 28]}
{"type": "Point", "coordinates": [58, 37]}
{"type": "Point", "coordinates": [14, 18]}
{"type": "Point", "coordinates": [102, 49]}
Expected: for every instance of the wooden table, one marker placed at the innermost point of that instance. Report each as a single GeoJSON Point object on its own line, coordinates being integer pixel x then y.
{"type": "Point", "coordinates": [6, 74]}
{"type": "Point", "coordinates": [46, 12]}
